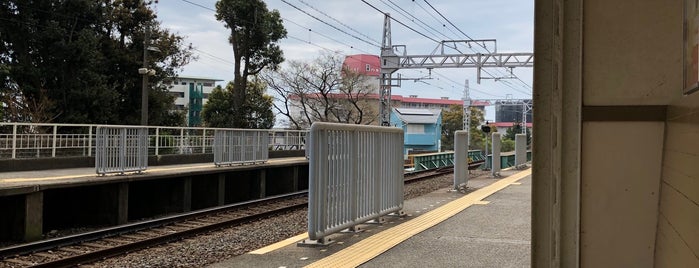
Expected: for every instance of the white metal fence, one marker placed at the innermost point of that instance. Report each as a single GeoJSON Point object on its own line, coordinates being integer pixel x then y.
{"type": "Point", "coordinates": [355, 175]}
{"type": "Point", "coordinates": [29, 140]}
{"type": "Point", "coordinates": [121, 149]}
{"type": "Point", "coordinates": [240, 146]}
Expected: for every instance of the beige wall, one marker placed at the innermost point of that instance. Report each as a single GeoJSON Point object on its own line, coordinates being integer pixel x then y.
{"type": "Point", "coordinates": [620, 177]}
{"type": "Point", "coordinates": [615, 180]}
{"type": "Point", "coordinates": [632, 52]}
{"type": "Point", "coordinates": [631, 57]}
{"type": "Point", "coordinates": [677, 243]}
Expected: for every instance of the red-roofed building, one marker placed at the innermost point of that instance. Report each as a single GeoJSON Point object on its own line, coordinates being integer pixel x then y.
{"type": "Point", "coordinates": [369, 67]}
{"type": "Point", "coordinates": [363, 64]}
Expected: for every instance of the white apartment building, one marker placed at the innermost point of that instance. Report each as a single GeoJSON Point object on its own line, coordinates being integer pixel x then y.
{"type": "Point", "coordinates": [192, 93]}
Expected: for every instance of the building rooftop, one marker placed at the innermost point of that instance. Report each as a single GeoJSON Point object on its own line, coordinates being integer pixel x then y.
{"type": "Point", "coordinates": [359, 62]}
{"type": "Point", "coordinates": [417, 116]}
{"type": "Point", "coordinates": [191, 77]}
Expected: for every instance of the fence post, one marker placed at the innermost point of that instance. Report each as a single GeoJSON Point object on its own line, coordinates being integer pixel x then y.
{"type": "Point", "coordinates": [181, 141]}
{"type": "Point", "coordinates": [203, 141]}
{"type": "Point", "coordinates": [460, 159]}
{"type": "Point", "coordinates": [520, 149]}
{"type": "Point", "coordinates": [157, 140]}
{"type": "Point", "coordinates": [14, 141]}
{"type": "Point", "coordinates": [495, 160]}
{"type": "Point", "coordinates": [122, 150]}
{"type": "Point", "coordinates": [89, 141]}
{"type": "Point", "coordinates": [53, 145]}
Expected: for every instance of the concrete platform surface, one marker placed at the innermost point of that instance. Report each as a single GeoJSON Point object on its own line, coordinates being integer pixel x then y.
{"type": "Point", "coordinates": [488, 227]}
{"type": "Point", "coordinates": [80, 176]}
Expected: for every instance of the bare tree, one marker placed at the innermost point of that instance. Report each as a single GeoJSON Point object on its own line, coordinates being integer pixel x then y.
{"type": "Point", "coordinates": [322, 91]}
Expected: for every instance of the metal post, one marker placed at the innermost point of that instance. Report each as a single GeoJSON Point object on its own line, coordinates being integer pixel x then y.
{"type": "Point", "coordinates": [157, 140]}
{"type": "Point", "coordinates": [89, 141]}
{"type": "Point", "coordinates": [144, 86]}
{"type": "Point", "coordinates": [14, 141]}
{"type": "Point", "coordinates": [203, 141]}
{"type": "Point", "coordinates": [53, 144]}
{"type": "Point", "coordinates": [389, 64]}
{"type": "Point", "coordinates": [467, 115]}
{"type": "Point", "coordinates": [181, 140]}
{"type": "Point", "coordinates": [524, 117]}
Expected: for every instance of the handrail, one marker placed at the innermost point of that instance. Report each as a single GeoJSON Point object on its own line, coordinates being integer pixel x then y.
{"type": "Point", "coordinates": [44, 140]}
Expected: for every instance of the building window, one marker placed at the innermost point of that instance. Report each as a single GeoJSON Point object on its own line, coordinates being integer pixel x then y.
{"type": "Point", "coordinates": [208, 84]}
{"type": "Point", "coordinates": [184, 83]}
{"type": "Point", "coordinates": [205, 96]}
{"type": "Point", "coordinates": [416, 129]}
{"type": "Point", "coordinates": [177, 94]}
{"type": "Point", "coordinates": [368, 67]}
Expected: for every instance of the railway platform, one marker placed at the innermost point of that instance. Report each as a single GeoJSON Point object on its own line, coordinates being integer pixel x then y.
{"type": "Point", "coordinates": [35, 202]}
{"type": "Point", "coordinates": [487, 227]}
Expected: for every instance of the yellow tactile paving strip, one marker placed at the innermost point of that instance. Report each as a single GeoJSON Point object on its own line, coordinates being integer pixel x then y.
{"type": "Point", "coordinates": [280, 244]}
{"type": "Point", "coordinates": [372, 246]}
{"type": "Point", "coordinates": [88, 175]}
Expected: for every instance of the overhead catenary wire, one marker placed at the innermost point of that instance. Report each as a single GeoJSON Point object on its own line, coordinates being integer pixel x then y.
{"type": "Point", "coordinates": [324, 35]}
{"type": "Point", "coordinates": [338, 21]}
{"type": "Point", "coordinates": [469, 37]}
{"type": "Point", "coordinates": [289, 36]}
{"type": "Point", "coordinates": [329, 24]}
{"type": "Point", "coordinates": [413, 19]}
{"type": "Point", "coordinates": [400, 22]}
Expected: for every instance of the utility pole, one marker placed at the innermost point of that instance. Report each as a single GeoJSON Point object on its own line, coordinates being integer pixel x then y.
{"type": "Point", "coordinates": [389, 61]}
{"type": "Point", "coordinates": [439, 58]}
{"type": "Point", "coordinates": [144, 72]}
{"type": "Point", "coordinates": [467, 114]}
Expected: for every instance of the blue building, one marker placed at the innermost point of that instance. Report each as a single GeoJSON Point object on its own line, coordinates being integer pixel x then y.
{"type": "Point", "coordinates": [422, 129]}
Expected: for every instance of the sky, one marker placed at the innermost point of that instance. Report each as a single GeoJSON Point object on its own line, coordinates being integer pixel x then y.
{"type": "Point", "coordinates": [510, 22]}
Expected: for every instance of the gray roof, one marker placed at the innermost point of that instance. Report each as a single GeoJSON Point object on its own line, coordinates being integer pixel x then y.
{"type": "Point", "coordinates": [189, 77]}
{"type": "Point", "coordinates": [417, 116]}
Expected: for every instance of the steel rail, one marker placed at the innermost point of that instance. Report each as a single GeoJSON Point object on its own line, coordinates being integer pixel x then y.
{"type": "Point", "coordinates": [48, 244]}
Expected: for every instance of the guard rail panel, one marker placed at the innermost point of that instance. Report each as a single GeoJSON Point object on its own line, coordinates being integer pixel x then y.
{"type": "Point", "coordinates": [121, 149]}
{"type": "Point", "coordinates": [240, 146]}
{"type": "Point", "coordinates": [355, 175]}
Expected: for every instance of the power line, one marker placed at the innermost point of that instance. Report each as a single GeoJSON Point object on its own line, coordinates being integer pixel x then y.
{"type": "Point", "coordinates": [452, 24]}
{"type": "Point", "coordinates": [333, 26]}
{"type": "Point", "coordinates": [341, 23]}
{"type": "Point", "coordinates": [412, 18]}
{"type": "Point", "coordinates": [435, 18]}
{"type": "Point", "coordinates": [469, 37]}
{"type": "Point", "coordinates": [199, 5]}
{"type": "Point", "coordinates": [400, 22]}
{"type": "Point", "coordinates": [289, 36]}
{"type": "Point", "coordinates": [214, 56]}
{"type": "Point", "coordinates": [324, 35]}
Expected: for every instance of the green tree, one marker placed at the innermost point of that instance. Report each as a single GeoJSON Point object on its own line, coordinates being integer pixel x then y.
{"type": "Point", "coordinates": [507, 145]}
{"type": "Point", "coordinates": [452, 120]}
{"type": "Point", "coordinates": [257, 109]}
{"type": "Point", "coordinates": [77, 61]}
{"type": "Point", "coordinates": [254, 33]}
{"type": "Point", "coordinates": [515, 129]}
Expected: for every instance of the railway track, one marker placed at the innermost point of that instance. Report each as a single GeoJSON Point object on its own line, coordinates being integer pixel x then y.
{"type": "Point", "coordinates": [96, 245]}
{"type": "Point", "coordinates": [427, 174]}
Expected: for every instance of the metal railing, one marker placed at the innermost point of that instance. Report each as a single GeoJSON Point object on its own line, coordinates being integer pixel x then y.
{"type": "Point", "coordinates": [355, 175]}
{"type": "Point", "coordinates": [39, 140]}
{"type": "Point", "coordinates": [121, 149]}
{"type": "Point", "coordinates": [240, 146]}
